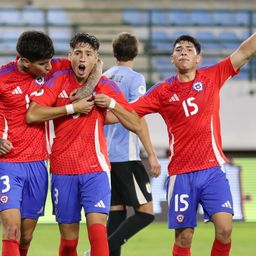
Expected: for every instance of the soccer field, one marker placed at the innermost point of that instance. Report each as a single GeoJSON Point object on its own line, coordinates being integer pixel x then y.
{"type": "Point", "coordinates": [155, 240]}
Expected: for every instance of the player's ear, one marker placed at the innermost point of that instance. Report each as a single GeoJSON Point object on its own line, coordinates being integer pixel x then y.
{"type": "Point", "coordinates": [97, 57]}
{"type": "Point", "coordinates": [199, 58]}
{"type": "Point", "coordinates": [69, 54]}
{"type": "Point", "coordinates": [25, 62]}
{"type": "Point", "coordinates": [171, 58]}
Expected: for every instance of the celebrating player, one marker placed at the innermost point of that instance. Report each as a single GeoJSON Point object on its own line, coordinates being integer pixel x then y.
{"type": "Point", "coordinates": [23, 174]}
{"type": "Point", "coordinates": [189, 103]}
{"type": "Point", "coordinates": [79, 163]}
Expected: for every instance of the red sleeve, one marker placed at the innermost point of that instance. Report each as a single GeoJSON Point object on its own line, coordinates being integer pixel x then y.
{"type": "Point", "coordinates": [222, 72]}
{"type": "Point", "coordinates": [108, 87]}
{"type": "Point", "coordinates": [49, 92]}
{"type": "Point", "coordinates": [58, 64]}
{"type": "Point", "coordinates": [148, 103]}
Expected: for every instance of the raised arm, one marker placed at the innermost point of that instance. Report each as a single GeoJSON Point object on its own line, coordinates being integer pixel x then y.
{"type": "Point", "coordinates": [244, 52]}
{"type": "Point", "coordinates": [40, 113]}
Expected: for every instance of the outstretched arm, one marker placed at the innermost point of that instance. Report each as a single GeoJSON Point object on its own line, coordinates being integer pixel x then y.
{"type": "Point", "coordinates": [155, 167]}
{"type": "Point", "coordinates": [40, 113]}
{"type": "Point", "coordinates": [132, 122]}
{"type": "Point", "coordinates": [244, 52]}
{"type": "Point", "coordinates": [118, 113]}
{"type": "Point", "coordinates": [92, 81]}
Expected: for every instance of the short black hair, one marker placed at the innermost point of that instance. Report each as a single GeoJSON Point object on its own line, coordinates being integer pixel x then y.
{"type": "Point", "coordinates": [190, 39]}
{"type": "Point", "coordinates": [35, 45]}
{"type": "Point", "coordinates": [125, 46]}
{"type": "Point", "coordinates": [85, 38]}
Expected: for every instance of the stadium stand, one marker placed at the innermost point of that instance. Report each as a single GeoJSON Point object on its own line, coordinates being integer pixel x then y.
{"type": "Point", "coordinates": [156, 26]}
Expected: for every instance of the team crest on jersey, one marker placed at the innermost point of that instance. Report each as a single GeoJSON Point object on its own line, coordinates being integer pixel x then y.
{"type": "Point", "coordinates": [39, 80]}
{"type": "Point", "coordinates": [142, 89]}
{"type": "Point", "coordinates": [198, 86]}
{"type": "Point", "coordinates": [180, 218]}
{"type": "Point", "coordinates": [4, 199]}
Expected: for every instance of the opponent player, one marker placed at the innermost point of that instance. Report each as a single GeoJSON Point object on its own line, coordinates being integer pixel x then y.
{"type": "Point", "coordinates": [79, 162]}
{"type": "Point", "coordinates": [189, 104]}
{"type": "Point", "coordinates": [23, 174]}
{"type": "Point", "coordinates": [130, 185]}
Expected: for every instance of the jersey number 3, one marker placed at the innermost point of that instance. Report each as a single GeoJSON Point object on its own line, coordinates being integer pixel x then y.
{"type": "Point", "coordinates": [190, 108]}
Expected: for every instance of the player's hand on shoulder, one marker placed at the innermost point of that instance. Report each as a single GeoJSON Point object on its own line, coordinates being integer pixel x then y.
{"type": "Point", "coordinates": [5, 146]}
{"type": "Point", "coordinates": [155, 167]}
{"type": "Point", "coordinates": [84, 106]}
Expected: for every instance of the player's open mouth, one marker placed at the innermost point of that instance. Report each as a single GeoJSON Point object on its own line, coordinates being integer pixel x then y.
{"type": "Point", "coordinates": [81, 67]}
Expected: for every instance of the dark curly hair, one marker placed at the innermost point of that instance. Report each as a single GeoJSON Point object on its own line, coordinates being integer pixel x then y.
{"type": "Point", "coordinates": [35, 46]}
{"type": "Point", "coordinates": [85, 38]}
{"type": "Point", "coordinates": [190, 39]}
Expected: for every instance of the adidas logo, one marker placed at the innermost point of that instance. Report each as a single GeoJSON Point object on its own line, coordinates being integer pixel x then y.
{"type": "Point", "coordinates": [227, 205]}
{"type": "Point", "coordinates": [100, 204]}
{"type": "Point", "coordinates": [63, 94]}
{"type": "Point", "coordinates": [41, 210]}
{"type": "Point", "coordinates": [17, 90]}
{"type": "Point", "coordinates": [174, 98]}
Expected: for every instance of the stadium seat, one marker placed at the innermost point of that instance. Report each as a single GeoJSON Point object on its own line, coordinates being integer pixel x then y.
{"type": "Point", "coordinates": [241, 18]}
{"type": "Point", "coordinates": [134, 16]}
{"type": "Point", "coordinates": [179, 33]}
{"type": "Point", "coordinates": [60, 37]}
{"type": "Point", "coordinates": [33, 16]}
{"type": "Point", "coordinates": [223, 18]}
{"type": "Point", "coordinates": [57, 16]}
{"type": "Point", "coordinates": [162, 35]}
{"type": "Point", "coordinates": [9, 38]}
{"type": "Point", "coordinates": [208, 41]}
{"type": "Point", "coordinates": [160, 17]}
{"type": "Point", "coordinates": [229, 40]}
{"type": "Point", "coordinates": [254, 19]}
{"type": "Point", "coordinates": [161, 41]}
{"type": "Point", "coordinates": [180, 17]}
{"type": "Point", "coordinates": [203, 17]}
{"type": "Point", "coordinates": [163, 66]}
{"type": "Point", "coordinates": [10, 16]}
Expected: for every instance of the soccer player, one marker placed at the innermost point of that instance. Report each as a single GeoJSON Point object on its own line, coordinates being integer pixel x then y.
{"type": "Point", "coordinates": [79, 160]}
{"type": "Point", "coordinates": [23, 174]}
{"type": "Point", "coordinates": [189, 103]}
{"type": "Point", "coordinates": [130, 184]}
{"type": "Point", "coordinates": [23, 151]}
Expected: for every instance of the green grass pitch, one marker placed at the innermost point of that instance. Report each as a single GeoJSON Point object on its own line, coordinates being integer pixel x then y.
{"type": "Point", "coordinates": [155, 240]}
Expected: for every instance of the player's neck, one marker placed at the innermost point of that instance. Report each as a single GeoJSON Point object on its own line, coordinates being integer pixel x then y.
{"type": "Point", "coordinates": [21, 67]}
{"type": "Point", "coordinates": [186, 76]}
{"type": "Point", "coordinates": [128, 63]}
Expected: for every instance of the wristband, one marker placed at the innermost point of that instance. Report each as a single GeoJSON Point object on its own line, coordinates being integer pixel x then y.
{"type": "Point", "coordinates": [70, 109]}
{"type": "Point", "coordinates": [112, 104]}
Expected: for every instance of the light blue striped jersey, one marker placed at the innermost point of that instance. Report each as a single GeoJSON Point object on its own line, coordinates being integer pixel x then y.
{"type": "Point", "coordinates": [123, 145]}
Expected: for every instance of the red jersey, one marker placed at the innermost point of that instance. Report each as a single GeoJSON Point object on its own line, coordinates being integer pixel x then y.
{"type": "Point", "coordinates": [79, 144]}
{"type": "Point", "coordinates": [191, 113]}
{"type": "Point", "coordinates": [16, 88]}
